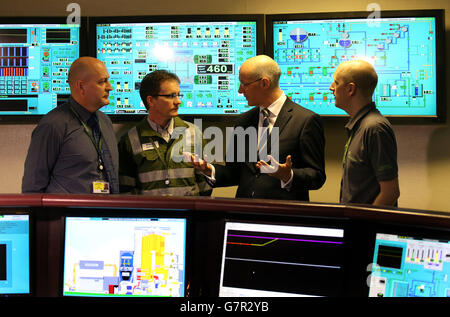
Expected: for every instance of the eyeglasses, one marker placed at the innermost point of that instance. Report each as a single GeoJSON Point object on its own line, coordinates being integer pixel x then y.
{"type": "Point", "coordinates": [248, 84]}
{"type": "Point", "coordinates": [171, 96]}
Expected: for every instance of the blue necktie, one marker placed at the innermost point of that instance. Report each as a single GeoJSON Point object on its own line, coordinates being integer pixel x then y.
{"type": "Point", "coordinates": [266, 114]}
{"type": "Point", "coordinates": [93, 124]}
{"type": "Point", "coordinates": [95, 128]}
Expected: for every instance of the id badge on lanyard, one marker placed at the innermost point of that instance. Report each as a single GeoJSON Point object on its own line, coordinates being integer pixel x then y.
{"type": "Point", "coordinates": [100, 187]}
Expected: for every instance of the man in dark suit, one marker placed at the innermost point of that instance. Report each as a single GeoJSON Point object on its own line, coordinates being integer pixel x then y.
{"type": "Point", "coordinates": [298, 139]}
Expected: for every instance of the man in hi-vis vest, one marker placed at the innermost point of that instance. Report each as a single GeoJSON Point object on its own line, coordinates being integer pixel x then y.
{"type": "Point", "coordinates": [151, 153]}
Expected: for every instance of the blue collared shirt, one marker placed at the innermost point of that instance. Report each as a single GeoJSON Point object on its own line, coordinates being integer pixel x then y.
{"type": "Point", "coordinates": [62, 158]}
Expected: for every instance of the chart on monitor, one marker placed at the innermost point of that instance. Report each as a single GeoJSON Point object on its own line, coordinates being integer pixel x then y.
{"type": "Point", "coordinates": [281, 260]}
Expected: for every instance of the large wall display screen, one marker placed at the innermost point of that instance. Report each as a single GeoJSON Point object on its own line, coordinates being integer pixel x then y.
{"type": "Point", "coordinates": [124, 257]}
{"type": "Point", "coordinates": [34, 62]}
{"type": "Point", "coordinates": [404, 49]}
{"type": "Point", "coordinates": [206, 56]}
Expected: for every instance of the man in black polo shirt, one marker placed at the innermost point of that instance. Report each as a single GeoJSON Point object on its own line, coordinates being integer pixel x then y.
{"type": "Point", "coordinates": [370, 172]}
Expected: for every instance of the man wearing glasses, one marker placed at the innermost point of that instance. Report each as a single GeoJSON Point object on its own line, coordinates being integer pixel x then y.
{"type": "Point", "coordinates": [370, 172]}
{"type": "Point", "coordinates": [146, 164]}
{"type": "Point", "coordinates": [300, 143]}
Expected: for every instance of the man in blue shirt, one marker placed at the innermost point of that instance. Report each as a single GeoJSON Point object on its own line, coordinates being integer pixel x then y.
{"type": "Point", "coordinates": [73, 149]}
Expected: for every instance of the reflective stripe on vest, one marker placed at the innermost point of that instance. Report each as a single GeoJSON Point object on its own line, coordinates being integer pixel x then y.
{"type": "Point", "coordinates": [136, 145]}
{"type": "Point", "coordinates": [172, 191]}
{"type": "Point", "coordinates": [158, 175]}
{"type": "Point", "coordinates": [134, 141]}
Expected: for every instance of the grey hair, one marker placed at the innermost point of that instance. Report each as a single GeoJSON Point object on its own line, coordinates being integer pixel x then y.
{"type": "Point", "coordinates": [264, 66]}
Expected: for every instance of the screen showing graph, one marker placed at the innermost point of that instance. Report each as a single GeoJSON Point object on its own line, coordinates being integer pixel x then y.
{"type": "Point", "coordinates": [34, 63]}
{"type": "Point", "coordinates": [406, 266]}
{"type": "Point", "coordinates": [124, 257]}
{"type": "Point", "coordinates": [206, 56]}
{"type": "Point", "coordinates": [403, 51]}
{"type": "Point", "coordinates": [281, 260]}
{"type": "Point", "coordinates": [14, 254]}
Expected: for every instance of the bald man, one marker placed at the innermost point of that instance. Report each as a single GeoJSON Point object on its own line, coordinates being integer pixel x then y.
{"type": "Point", "coordinates": [73, 148]}
{"type": "Point", "coordinates": [300, 146]}
{"type": "Point", "coordinates": [370, 172]}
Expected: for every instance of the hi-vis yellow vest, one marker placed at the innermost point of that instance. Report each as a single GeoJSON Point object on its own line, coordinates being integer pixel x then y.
{"type": "Point", "coordinates": [149, 165]}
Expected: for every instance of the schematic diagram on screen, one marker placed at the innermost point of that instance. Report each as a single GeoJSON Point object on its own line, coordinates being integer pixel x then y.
{"type": "Point", "coordinates": [402, 51]}
{"type": "Point", "coordinates": [149, 262]}
{"type": "Point", "coordinates": [205, 56]}
{"type": "Point", "coordinates": [34, 64]}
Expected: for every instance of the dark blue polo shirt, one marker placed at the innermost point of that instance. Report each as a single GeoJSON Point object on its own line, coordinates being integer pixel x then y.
{"type": "Point", "coordinates": [371, 156]}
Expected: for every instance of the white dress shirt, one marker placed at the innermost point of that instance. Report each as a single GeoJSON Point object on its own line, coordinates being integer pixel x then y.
{"type": "Point", "coordinates": [274, 110]}
{"type": "Point", "coordinates": [165, 132]}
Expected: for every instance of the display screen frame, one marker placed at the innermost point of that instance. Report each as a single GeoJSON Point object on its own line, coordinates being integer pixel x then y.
{"type": "Point", "coordinates": [438, 14]}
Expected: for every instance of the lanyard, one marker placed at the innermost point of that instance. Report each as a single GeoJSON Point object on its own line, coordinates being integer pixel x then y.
{"type": "Point", "coordinates": [347, 145]}
{"type": "Point", "coordinates": [97, 145]}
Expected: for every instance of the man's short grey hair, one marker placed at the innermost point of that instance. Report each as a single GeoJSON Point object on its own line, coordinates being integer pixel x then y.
{"type": "Point", "coordinates": [265, 66]}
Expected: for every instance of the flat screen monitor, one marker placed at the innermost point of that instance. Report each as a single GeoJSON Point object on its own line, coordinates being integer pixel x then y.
{"type": "Point", "coordinates": [35, 57]}
{"type": "Point", "coordinates": [204, 51]}
{"type": "Point", "coordinates": [271, 260]}
{"type": "Point", "coordinates": [406, 48]}
{"type": "Point", "coordinates": [407, 266]}
{"type": "Point", "coordinates": [124, 257]}
{"type": "Point", "coordinates": [14, 254]}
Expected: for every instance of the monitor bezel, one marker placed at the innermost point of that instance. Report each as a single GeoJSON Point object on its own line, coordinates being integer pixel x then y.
{"type": "Point", "coordinates": [88, 212]}
{"type": "Point", "coordinates": [260, 49]}
{"type": "Point", "coordinates": [31, 248]}
{"type": "Point", "coordinates": [83, 51]}
{"type": "Point", "coordinates": [438, 14]}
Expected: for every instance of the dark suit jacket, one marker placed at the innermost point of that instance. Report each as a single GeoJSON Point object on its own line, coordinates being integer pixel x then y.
{"type": "Point", "coordinates": [301, 136]}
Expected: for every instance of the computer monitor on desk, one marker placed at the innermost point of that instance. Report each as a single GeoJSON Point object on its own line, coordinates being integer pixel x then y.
{"type": "Point", "coordinates": [122, 256]}
{"type": "Point", "coordinates": [261, 259]}
{"type": "Point", "coordinates": [405, 266]}
{"type": "Point", "coordinates": [15, 277]}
